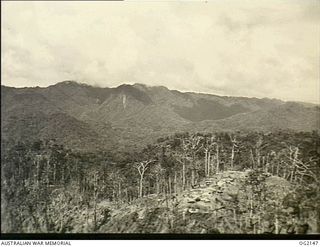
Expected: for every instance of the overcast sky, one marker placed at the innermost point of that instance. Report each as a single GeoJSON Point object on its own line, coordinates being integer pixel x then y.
{"type": "Point", "coordinates": [244, 48]}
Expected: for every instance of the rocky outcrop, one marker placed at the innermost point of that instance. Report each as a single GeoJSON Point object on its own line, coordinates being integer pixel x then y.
{"type": "Point", "coordinates": [230, 202]}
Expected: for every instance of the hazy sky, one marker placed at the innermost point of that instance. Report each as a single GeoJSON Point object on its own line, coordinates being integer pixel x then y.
{"type": "Point", "coordinates": [246, 48]}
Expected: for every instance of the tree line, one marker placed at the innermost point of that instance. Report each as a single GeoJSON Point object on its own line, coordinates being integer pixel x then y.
{"type": "Point", "coordinates": [47, 187]}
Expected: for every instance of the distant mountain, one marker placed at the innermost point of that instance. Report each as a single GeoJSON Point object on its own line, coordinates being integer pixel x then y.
{"type": "Point", "coordinates": [129, 116]}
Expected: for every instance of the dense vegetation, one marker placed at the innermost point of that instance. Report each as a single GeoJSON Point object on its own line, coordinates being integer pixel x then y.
{"type": "Point", "coordinates": [49, 188]}
{"type": "Point", "coordinates": [209, 110]}
{"type": "Point", "coordinates": [129, 117]}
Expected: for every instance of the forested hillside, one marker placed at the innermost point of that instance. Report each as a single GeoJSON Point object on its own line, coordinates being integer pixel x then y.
{"type": "Point", "coordinates": [219, 182]}
{"type": "Point", "coordinates": [129, 117]}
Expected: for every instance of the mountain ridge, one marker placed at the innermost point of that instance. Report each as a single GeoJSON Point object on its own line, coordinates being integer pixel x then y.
{"type": "Point", "coordinates": [136, 84]}
{"type": "Point", "coordinates": [132, 115]}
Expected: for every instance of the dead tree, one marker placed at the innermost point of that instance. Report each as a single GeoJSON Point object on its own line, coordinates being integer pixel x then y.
{"type": "Point", "coordinates": [141, 168]}
{"type": "Point", "coordinates": [183, 159]}
{"type": "Point", "coordinates": [208, 163]}
{"type": "Point", "coordinates": [234, 145]}
{"type": "Point", "coordinates": [217, 158]}
{"type": "Point", "coordinates": [193, 144]}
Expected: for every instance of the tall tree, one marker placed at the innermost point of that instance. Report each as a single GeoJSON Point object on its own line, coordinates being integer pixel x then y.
{"type": "Point", "coordinates": [142, 167]}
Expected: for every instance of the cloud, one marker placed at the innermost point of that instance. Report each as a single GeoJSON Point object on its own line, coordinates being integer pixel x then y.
{"type": "Point", "coordinates": [243, 48]}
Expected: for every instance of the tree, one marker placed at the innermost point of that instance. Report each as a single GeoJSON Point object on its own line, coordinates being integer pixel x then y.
{"type": "Point", "coordinates": [233, 146]}
{"type": "Point", "coordinates": [141, 168]}
{"type": "Point", "coordinates": [209, 146]}
{"type": "Point", "coordinates": [193, 144]}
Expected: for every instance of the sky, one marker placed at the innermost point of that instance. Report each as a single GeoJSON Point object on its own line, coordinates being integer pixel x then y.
{"type": "Point", "coordinates": [256, 48]}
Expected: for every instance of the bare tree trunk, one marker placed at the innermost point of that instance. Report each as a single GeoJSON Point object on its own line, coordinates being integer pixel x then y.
{"type": "Point", "coordinates": [294, 164]}
{"type": "Point", "coordinates": [235, 217]}
{"type": "Point", "coordinates": [292, 175]}
{"type": "Point", "coordinates": [95, 215]}
{"type": "Point", "coordinates": [192, 177]}
{"type": "Point", "coordinates": [206, 163]}
{"type": "Point", "coordinates": [258, 157]}
{"type": "Point", "coordinates": [267, 167]}
{"type": "Point", "coordinates": [169, 185]}
{"type": "Point", "coordinates": [157, 185]}
{"type": "Point", "coordinates": [126, 193]}
{"type": "Point", "coordinates": [184, 175]}
{"type": "Point", "coordinates": [140, 186]}
{"type": "Point", "coordinates": [232, 156]}
{"type": "Point", "coordinates": [63, 175]}
{"type": "Point", "coordinates": [217, 158]}
{"type": "Point", "coordinates": [141, 168]}
{"type": "Point", "coordinates": [252, 158]}
{"type": "Point", "coordinates": [54, 172]}
{"type": "Point", "coordinates": [251, 207]}
{"type": "Point", "coordinates": [175, 182]}
{"type": "Point", "coordinates": [38, 172]}
{"type": "Point", "coordinates": [119, 191]}
{"type": "Point", "coordinates": [209, 163]}
{"type": "Point", "coordinates": [48, 172]}
{"type": "Point", "coordinates": [95, 198]}
{"type": "Point", "coordinates": [166, 196]}
{"type": "Point", "coordinates": [285, 173]}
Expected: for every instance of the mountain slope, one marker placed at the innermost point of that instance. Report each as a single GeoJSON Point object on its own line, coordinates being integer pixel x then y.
{"type": "Point", "coordinates": [29, 115]}
{"type": "Point", "coordinates": [131, 116]}
{"type": "Point", "coordinates": [289, 115]}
